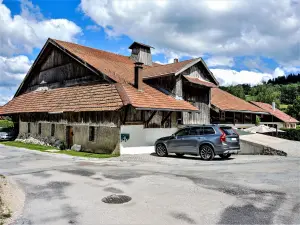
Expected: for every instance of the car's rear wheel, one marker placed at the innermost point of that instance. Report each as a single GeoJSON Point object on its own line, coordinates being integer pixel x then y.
{"type": "Point", "coordinates": [206, 152]}
{"type": "Point", "coordinates": [225, 156]}
{"type": "Point", "coordinates": [179, 154]}
{"type": "Point", "coordinates": [161, 150]}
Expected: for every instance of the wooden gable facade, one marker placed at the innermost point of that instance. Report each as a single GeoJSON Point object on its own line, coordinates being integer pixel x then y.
{"type": "Point", "coordinates": [56, 69]}
{"type": "Point", "coordinates": [181, 88]}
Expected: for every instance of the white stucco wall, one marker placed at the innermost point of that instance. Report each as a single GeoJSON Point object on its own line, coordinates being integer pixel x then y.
{"type": "Point", "coordinates": [141, 140]}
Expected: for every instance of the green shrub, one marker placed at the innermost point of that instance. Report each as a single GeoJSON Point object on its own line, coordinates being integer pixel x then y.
{"type": "Point", "coordinates": [290, 134]}
{"type": "Point", "coordinates": [257, 121]}
{"type": "Point", "coordinates": [6, 123]}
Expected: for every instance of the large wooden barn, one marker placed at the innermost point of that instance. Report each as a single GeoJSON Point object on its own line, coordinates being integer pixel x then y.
{"type": "Point", "coordinates": [86, 96]}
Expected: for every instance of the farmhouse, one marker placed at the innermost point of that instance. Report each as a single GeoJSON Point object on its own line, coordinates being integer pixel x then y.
{"type": "Point", "coordinates": [229, 109]}
{"type": "Point", "coordinates": [276, 118]}
{"type": "Point", "coordinates": [90, 97]}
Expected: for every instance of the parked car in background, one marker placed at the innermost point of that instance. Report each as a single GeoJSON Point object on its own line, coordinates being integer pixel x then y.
{"type": "Point", "coordinates": [205, 141]}
{"type": "Point", "coordinates": [8, 134]}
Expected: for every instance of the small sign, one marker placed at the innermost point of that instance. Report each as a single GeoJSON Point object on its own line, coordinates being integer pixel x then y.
{"type": "Point", "coordinates": [125, 137]}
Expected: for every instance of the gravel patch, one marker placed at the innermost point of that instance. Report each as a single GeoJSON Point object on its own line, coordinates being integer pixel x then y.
{"type": "Point", "coordinates": [11, 200]}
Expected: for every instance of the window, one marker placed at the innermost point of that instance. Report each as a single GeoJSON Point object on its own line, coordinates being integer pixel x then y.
{"type": "Point", "coordinates": [179, 117]}
{"type": "Point", "coordinates": [52, 130]}
{"type": "Point", "coordinates": [91, 133]}
{"type": "Point", "coordinates": [196, 131]}
{"type": "Point", "coordinates": [40, 128]}
{"type": "Point", "coordinates": [222, 115]}
{"type": "Point", "coordinates": [190, 116]}
{"type": "Point", "coordinates": [208, 130]}
{"type": "Point", "coordinates": [182, 132]}
{"type": "Point", "coordinates": [28, 128]}
{"type": "Point", "coordinates": [228, 130]}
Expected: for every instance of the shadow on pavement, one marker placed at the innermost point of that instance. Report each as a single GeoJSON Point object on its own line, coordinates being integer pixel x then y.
{"type": "Point", "coordinates": [190, 157]}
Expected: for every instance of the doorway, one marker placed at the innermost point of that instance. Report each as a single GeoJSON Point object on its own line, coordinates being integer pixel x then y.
{"type": "Point", "coordinates": [69, 137]}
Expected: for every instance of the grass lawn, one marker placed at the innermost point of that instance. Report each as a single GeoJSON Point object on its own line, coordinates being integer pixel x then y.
{"type": "Point", "coordinates": [250, 98]}
{"type": "Point", "coordinates": [66, 152]}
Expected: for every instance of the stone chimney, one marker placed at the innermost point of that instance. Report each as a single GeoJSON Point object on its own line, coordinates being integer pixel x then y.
{"type": "Point", "coordinates": [273, 106]}
{"type": "Point", "coordinates": [138, 75]}
{"type": "Point", "coordinates": [176, 60]}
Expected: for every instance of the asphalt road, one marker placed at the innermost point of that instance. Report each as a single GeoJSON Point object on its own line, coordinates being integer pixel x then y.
{"type": "Point", "coordinates": [64, 190]}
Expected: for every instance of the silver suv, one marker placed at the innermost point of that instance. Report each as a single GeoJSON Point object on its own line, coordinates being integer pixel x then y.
{"type": "Point", "coordinates": [206, 141]}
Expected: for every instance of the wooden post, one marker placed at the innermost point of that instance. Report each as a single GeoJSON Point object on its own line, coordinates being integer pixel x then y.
{"type": "Point", "coordinates": [165, 119]}
{"type": "Point", "coordinates": [234, 118]}
{"type": "Point", "coordinates": [150, 118]}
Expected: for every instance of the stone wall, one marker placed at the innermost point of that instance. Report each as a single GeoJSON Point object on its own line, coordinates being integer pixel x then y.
{"type": "Point", "coordinates": [106, 138]}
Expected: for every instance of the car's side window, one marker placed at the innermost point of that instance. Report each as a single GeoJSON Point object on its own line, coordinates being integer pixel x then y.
{"type": "Point", "coordinates": [208, 130]}
{"type": "Point", "coordinates": [196, 131]}
{"type": "Point", "coordinates": [182, 132]}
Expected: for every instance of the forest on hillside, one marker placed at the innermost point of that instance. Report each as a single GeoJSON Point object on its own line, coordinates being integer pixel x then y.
{"type": "Point", "coordinates": [284, 91]}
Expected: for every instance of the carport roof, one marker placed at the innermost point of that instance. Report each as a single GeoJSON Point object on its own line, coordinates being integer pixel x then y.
{"type": "Point", "coordinates": [277, 113]}
{"type": "Point", "coordinates": [228, 102]}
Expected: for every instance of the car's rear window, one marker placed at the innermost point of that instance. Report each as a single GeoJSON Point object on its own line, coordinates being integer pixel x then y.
{"type": "Point", "coordinates": [228, 130]}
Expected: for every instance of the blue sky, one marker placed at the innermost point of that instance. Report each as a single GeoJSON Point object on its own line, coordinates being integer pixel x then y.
{"type": "Point", "coordinates": [241, 41]}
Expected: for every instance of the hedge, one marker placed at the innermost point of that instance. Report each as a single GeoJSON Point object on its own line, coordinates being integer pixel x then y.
{"type": "Point", "coordinates": [290, 134]}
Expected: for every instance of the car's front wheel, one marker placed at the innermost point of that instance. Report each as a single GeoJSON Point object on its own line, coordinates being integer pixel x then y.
{"type": "Point", "coordinates": [161, 150]}
{"type": "Point", "coordinates": [206, 152]}
{"type": "Point", "coordinates": [225, 156]}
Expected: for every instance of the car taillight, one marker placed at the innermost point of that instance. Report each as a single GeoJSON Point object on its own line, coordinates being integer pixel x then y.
{"type": "Point", "coordinates": [223, 136]}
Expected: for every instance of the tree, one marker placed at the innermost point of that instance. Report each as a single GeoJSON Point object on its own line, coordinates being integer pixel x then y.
{"type": "Point", "coordinates": [237, 90]}
{"type": "Point", "coordinates": [268, 94]}
{"type": "Point", "coordinates": [289, 93]}
{"type": "Point", "coordinates": [294, 110]}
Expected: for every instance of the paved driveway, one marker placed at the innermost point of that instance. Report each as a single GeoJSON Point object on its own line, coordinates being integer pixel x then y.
{"type": "Point", "coordinates": [64, 190]}
{"type": "Point", "coordinates": [292, 148]}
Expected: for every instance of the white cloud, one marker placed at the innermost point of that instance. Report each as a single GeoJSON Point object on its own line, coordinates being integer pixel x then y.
{"type": "Point", "coordinates": [93, 27]}
{"type": "Point", "coordinates": [220, 61]}
{"type": "Point", "coordinates": [232, 77]}
{"type": "Point", "coordinates": [4, 99]}
{"type": "Point", "coordinates": [13, 70]}
{"type": "Point", "coordinates": [21, 33]}
{"type": "Point", "coordinates": [220, 27]}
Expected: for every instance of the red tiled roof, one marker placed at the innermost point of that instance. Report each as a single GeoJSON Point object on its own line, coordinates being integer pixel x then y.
{"type": "Point", "coordinates": [161, 70]}
{"type": "Point", "coordinates": [154, 99]}
{"type": "Point", "coordinates": [121, 69]}
{"type": "Point", "coordinates": [277, 113]}
{"type": "Point", "coordinates": [196, 80]}
{"type": "Point", "coordinates": [228, 102]}
{"type": "Point", "coordinates": [118, 67]}
{"type": "Point", "coordinates": [97, 97]}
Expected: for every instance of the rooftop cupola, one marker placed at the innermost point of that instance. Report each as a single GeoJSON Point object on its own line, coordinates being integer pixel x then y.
{"type": "Point", "coordinates": [141, 53]}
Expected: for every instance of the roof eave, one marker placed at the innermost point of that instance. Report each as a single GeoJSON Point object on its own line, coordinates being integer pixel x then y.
{"type": "Point", "coordinates": [166, 109]}
{"type": "Point", "coordinates": [195, 62]}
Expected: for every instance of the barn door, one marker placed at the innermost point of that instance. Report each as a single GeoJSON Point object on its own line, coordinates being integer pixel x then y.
{"type": "Point", "coordinates": [69, 138]}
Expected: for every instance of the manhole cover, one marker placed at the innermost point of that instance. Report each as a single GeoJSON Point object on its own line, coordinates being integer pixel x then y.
{"type": "Point", "coordinates": [116, 199]}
